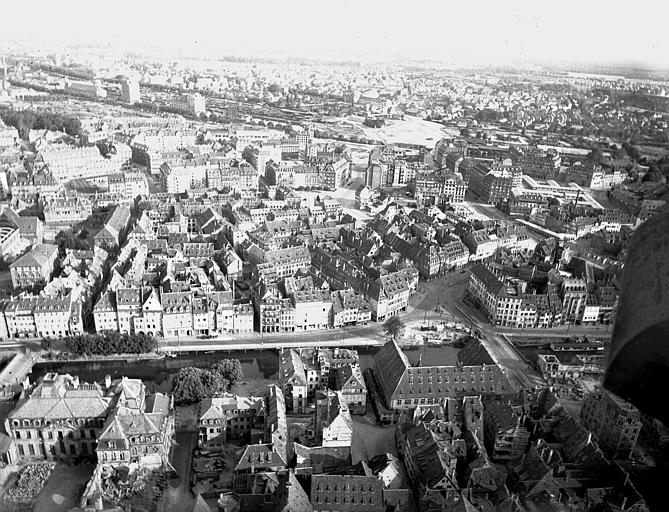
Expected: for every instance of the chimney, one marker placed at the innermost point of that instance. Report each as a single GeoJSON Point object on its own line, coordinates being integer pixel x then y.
{"type": "Point", "coordinates": [108, 381]}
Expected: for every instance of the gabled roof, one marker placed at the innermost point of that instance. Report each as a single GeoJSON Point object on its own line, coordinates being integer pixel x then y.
{"type": "Point", "coordinates": [391, 364]}
{"type": "Point", "coordinates": [38, 256]}
{"type": "Point", "coordinates": [259, 456]}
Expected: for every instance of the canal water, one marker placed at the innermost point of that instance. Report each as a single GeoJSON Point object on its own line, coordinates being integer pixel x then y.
{"type": "Point", "coordinates": [257, 365]}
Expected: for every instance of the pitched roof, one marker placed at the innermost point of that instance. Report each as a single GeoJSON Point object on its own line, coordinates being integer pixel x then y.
{"type": "Point", "coordinates": [38, 256]}
{"type": "Point", "coordinates": [391, 364]}
{"type": "Point", "coordinates": [347, 492]}
{"type": "Point", "coordinates": [258, 456]}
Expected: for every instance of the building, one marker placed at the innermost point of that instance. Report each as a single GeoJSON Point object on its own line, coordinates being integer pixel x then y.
{"type": "Point", "coordinates": [332, 420]}
{"type": "Point", "coordinates": [114, 228]}
{"type": "Point", "coordinates": [438, 188]}
{"type": "Point", "coordinates": [193, 103]}
{"type": "Point", "coordinates": [614, 422]}
{"type": "Point", "coordinates": [227, 417]}
{"type": "Point", "coordinates": [130, 91]}
{"type": "Point", "coordinates": [506, 438]}
{"type": "Point", "coordinates": [104, 313]}
{"type": "Point", "coordinates": [363, 197]}
{"type": "Point", "coordinates": [93, 88]}
{"type": "Point", "coordinates": [490, 186]}
{"type": "Point", "coordinates": [35, 267]}
{"type": "Point", "coordinates": [574, 298]}
{"type": "Point", "coordinates": [59, 419]}
{"type": "Point", "coordinates": [347, 493]}
{"type": "Point", "coordinates": [293, 380]}
{"type": "Point", "coordinates": [348, 379]}
{"type": "Point", "coordinates": [128, 184]}
{"type": "Point", "coordinates": [140, 428]}
{"type": "Point", "coordinates": [66, 210]}
{"type": "Point", "coordinates": [404, 386]}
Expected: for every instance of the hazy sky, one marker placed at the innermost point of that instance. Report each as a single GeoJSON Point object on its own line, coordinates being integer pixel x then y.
{"type": "Point", "coordinates": [548, 31]}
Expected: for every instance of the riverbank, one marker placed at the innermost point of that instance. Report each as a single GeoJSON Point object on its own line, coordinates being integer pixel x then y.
{"type": "Point", "coordinates": [68, 357]}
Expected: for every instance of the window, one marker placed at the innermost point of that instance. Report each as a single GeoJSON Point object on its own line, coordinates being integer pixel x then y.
{"type": "Point", "coordinates": [18, 434]}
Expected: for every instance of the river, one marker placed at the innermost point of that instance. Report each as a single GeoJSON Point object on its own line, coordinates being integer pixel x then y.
{"type": "Point", "coordinates": [258, 365]}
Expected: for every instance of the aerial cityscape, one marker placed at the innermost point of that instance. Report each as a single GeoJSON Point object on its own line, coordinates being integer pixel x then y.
{"type": "Point", "coordinates": [368, 273]}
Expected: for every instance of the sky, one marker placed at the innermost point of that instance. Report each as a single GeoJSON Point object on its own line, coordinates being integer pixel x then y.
{"type": "Point", "coordinates": [547, 31]}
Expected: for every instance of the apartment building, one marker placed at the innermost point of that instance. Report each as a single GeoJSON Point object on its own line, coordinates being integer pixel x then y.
{"type": "Point", "coordinates": [614, 422]}
{"type": "Point", "coordinates": [66, 210]}
{"type": "Point", "coordinates": [348, 379]}
{"type": "Point", "coordinates": [230, 417]}
{"type": "Point", "coordinates": [34, 268]}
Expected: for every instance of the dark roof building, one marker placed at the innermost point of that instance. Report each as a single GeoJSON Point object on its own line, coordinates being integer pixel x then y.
{"type": "Point", "coordinates": [405, 387]}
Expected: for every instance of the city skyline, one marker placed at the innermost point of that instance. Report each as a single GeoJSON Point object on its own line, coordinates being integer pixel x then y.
{"type": "Point", "coordinates": [469, 33]}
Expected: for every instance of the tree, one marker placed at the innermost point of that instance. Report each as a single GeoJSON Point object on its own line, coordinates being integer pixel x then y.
{"type": "Point", "coordinates": [229, 370]}
{"type": "Point", "coordinates": [193, 384]}
{"type": "Point", "coordinates": [394, 327]}
{"type": "Point", "coordinates": [47, 344]}
{"type": "Point", "coordinates": [67, 240]}
{"type": "Point", "coordinates": [187, 386]}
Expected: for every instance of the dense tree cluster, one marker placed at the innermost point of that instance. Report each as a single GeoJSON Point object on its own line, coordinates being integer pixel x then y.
{"type": "Point", "coordinates": [192, 384]}
{"type": "Point", "coordinates": [26, 120]}
{"type": "Point", "coordinates": [111, 343]}
{"type": "Point", "coordinates": [66, 239]}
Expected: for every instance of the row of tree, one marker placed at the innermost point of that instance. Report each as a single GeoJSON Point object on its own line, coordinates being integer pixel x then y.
{"type": "Point", "coordinates": [111, 343]}
{"type": "Point", "coordinates": [192, 384]}
{"type": "Point", "coordinates": [26, 120]}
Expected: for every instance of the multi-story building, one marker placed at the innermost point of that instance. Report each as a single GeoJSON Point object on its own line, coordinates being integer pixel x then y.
{"type": "Point", "coordinates": [438, 188]}
{"type": "Point", "coordinates": [490, 186]}
{"type": "Point", "coordinates": [194, 103]}
{"type": "Point", "coordinates": [179, 177]}
{"type": "Point", "coordinates": [506, 301]}
{"type": "Point", "coordinates": [283, 263]}
{"type": "Point", "coordinates": [93, 88]}
{"type": "Point", "coordinates": [130, 91]}
{"type": "Point", "coordinates": [506, 438]}
{"type": "Point", "coordinates": [347, 492]}
{"type": "Point", "coordinates": [128, 184]}
{"type": "Point", "coordinates": [114, 228]}
{"type": "Point", "coordinates": [68, 210]}
{"type": "Point", "coordinates": [20, 318]}
{"type": "Point", "coordinates": [57, 316]}
{"type": "Point", "coordinates": [536, 163]}
{"type": "Point", "coordinates": [613, 421]}
{"type": "Point", "coordinates": [177, 313]}
{"type": "Point", "coordinates": [404, 386]}
{"type": "Point", "coordinates": [104, 313]}
{"type": "Point", "coordinates": [574, 298]}
{"type": "Point", "coordinates": [312, 309]}
{"type": "Point", "coordinates": [333, 425]}
{"type": "Point", "coordinates": [349, 308]}
{"type": "Point", "coordinates": [60, 419]}
{"type": "Point", "coordinates": [348, 379]}
{"type": "Point", "coordinates": [293, 380]}
{"type": "Point", "coordinates": [139, 430]}
{"type": "Point", "coordinates": [388, 295]}
{"type": "Point", "coordinates": [34, 268]}
{"type": "Point", "coordinates": [67, 163]}
{"type": "Point", "coordinates": [227, 417]}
